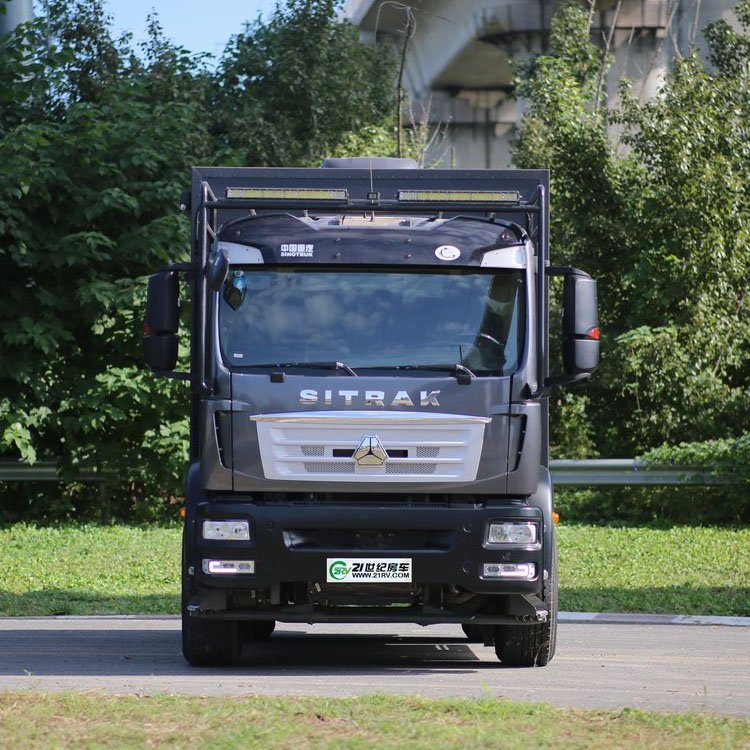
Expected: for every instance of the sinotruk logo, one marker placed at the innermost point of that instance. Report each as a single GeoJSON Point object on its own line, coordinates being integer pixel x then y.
{"type": "Point", "coordinates": [338, 570]}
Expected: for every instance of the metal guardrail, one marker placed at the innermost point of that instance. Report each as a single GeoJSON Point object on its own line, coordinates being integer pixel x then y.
{"type": "Point", "coordinates": [44, 471]}
{"type": "Point", "coordinates": [581, 472]}
{"type": "Point", "coordinates": [631, 471]}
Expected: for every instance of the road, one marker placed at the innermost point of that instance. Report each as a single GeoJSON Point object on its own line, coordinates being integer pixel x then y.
{"type": "Point", "coordinates": [660, 667]}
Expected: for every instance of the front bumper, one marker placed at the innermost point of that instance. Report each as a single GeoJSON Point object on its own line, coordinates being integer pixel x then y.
{"type": "Point", "coordinates": [290, 546]}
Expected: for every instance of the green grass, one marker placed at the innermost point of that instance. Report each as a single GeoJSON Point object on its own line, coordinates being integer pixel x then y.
{"type": "Point", "coordinates": [83, 570]}
{"type": "Point", "coordinates": [131, 570]}
{"type": "Point", "coordinates": [681, 570]}
{"type": "Point", "coordinates": [78, 720]}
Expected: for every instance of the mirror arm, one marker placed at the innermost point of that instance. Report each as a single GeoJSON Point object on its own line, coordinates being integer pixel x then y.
{"type": "Point", "coordinates": [566, 271]}
{"type": "Point", "coordinates": [179, 267]}
{"type": "Point", "coordinates": [171, 374]}
{"type": "Point", "coordinates": [556, 380]}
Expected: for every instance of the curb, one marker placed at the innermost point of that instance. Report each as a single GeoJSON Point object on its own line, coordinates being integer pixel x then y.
{"type": "Point", "coordinates": [580, 618]}
{"type": "Point", "coordinates": [638, 618]}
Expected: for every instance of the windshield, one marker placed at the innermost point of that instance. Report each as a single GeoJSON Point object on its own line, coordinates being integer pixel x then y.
{"type": "Point", "coordinates": [374, 320]}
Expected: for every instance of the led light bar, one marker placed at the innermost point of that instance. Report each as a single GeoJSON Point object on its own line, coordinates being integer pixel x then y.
{"type": "Point", "coordinates": [295, 194]}
{"type": "Point", "coordinates": [459, 196]}
{"type": "Point", "coordinates": [229, 567]}
{"type": "Point", "coordinates": [518, 571]}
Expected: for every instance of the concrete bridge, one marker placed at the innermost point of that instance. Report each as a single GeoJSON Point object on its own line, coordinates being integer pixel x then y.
{"type": "Point", "coordinates": [460, 55]}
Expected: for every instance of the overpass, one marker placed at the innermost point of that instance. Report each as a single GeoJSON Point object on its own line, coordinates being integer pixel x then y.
{"type": "Point", "coordinates": [460, 55]}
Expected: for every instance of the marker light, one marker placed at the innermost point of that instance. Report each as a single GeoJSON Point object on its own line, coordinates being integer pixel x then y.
{"type": "Point", "coordinates": [512, 533]}
{"type": "Point", "coordinates": [229, 567]}
{"type": "Point", "coordinates": [226, 530]}
{"type": "Point", "coordinates": [459, 196]}
{"type": "Point", "coordinates": [518, 571]}
{"type": "Point", "coordinates": [297, 194]}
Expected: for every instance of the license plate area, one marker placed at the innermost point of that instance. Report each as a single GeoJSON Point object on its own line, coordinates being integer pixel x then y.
{"type": "Point", "coordinates": [369, 570]}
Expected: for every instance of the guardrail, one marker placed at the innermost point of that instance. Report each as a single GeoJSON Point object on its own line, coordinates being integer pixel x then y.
{"type": "Point", "coordinates": [631, 471]}
{"type": "Point", "coordinates": [582, 472]}
{"type": "Point", "coordinates": [47, 470]}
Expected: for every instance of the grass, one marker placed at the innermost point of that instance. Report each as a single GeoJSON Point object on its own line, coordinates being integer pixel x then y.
{"type": "Point", "coordinates": [86, 570]}
{"type": "Point", "coordinates": [680, 570]}
{"type": "Point", "coordinates": [80, 720]}
{"type": "Point", "coordinates": [133, 570]}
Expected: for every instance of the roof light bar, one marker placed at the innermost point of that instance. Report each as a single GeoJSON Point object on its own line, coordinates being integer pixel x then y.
{"type": "Point", "coordinates": [305, 194]}
{"type": "Point", "coordinates": [459, 196]}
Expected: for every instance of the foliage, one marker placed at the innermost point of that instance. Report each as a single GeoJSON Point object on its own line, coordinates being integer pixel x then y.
{"type": "Point", "coordinates": [289, 88]}
{"type": "Point", "coordinates": [96, 141]}
{"type": "Point", "coordinates": [663, 222]}
{"type": "Point", "coordinates": [721, 505]}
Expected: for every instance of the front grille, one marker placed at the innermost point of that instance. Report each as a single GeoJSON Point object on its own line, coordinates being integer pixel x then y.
{"type": "Point", "coordinates": [320, 445]}
{"type": "Point", "coordinates": [329, 467]}
{"type": "Point", "coordinates": [410, 468]}
{"type": "Point", "coordinates": [368, 500]}
{"type": "Point", "coordinates": [370, 539]}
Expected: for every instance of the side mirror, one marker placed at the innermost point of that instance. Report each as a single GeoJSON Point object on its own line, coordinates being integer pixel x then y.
{"type": "Point", "coordinates": [580, 326]}
{"type": "Point", "coordinates": [217, 270]}
{"type": "Point", "coordinates": [162, 321]}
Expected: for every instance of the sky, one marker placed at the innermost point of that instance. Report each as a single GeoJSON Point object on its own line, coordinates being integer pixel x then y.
{"type": "Point", "coordinates": [199, 26]}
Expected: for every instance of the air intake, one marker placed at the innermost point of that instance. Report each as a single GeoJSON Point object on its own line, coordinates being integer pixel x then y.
{"type": "Point", "coordinates": [370, 162]}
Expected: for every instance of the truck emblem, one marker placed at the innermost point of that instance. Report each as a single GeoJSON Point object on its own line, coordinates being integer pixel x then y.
{"type": "Point", "coordinates": [447, 252]}
{"type": "Point", "coordinates": [370, 452]}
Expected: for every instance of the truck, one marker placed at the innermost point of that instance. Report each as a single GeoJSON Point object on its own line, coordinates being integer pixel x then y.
{"type": "Point", "coordinates": [369, 401]}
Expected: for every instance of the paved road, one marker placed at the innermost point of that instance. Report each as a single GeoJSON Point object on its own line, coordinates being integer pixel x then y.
{"type": "Point", "coordinates": [663, 667]}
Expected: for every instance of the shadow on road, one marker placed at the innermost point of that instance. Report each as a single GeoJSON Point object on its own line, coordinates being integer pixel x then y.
{"type": "Point", "coordinates": [119, 652]}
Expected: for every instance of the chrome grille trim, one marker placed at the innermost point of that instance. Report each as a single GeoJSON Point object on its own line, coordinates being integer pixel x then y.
{"type": "Point", "coordinates": [300, 446]}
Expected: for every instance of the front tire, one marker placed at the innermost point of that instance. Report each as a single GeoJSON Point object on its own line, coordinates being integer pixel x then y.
{"type": "Point", "coordinates": [532, 645]}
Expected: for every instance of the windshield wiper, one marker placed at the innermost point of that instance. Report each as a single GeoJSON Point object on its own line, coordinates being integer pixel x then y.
{"type": "Point", "coordinates": [463, 374]}
{"type": "Point", "coordinates": [319, 365]}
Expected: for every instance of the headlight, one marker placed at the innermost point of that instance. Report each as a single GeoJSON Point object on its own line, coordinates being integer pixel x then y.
{"type": "Point", "coordinates": [512, 533]}
{"type": "Point", "coordinates": [226, 530]}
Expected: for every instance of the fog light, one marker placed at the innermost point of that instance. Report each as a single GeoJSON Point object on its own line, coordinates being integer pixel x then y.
{"type": "Point", "coordinates": [516, 533]}
{"type": "Point", "coordinates": [231, 530]}
{"type": "Point", "coordinates": [229, 567]}
{"type": "Point", "coordinates": [522, 571]}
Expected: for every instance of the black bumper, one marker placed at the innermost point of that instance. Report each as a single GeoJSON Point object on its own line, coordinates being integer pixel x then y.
{"type": "Point", "coordinates": [290, 544]}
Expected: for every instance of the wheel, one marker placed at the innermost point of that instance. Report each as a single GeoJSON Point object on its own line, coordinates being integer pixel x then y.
{"type": "Point", "coordinates": [475, 633]}
{"type": "Point", "coordinates": [532, 645]}
{"type": "Point", "coordinates": [256, 630]}
{"type": "Point", "coordinates": [207, 643]}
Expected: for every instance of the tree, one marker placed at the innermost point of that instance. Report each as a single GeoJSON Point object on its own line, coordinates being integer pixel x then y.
{"type": "Point", "coordinates": [287, 89]}
{"type": "Point", "coordinates": [96, 141]}
{"type": "Point", "coordinates": [664, 223]}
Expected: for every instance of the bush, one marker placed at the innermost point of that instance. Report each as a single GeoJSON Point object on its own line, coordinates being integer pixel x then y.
{"type": "Point", "coordinates": [688, 504]}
